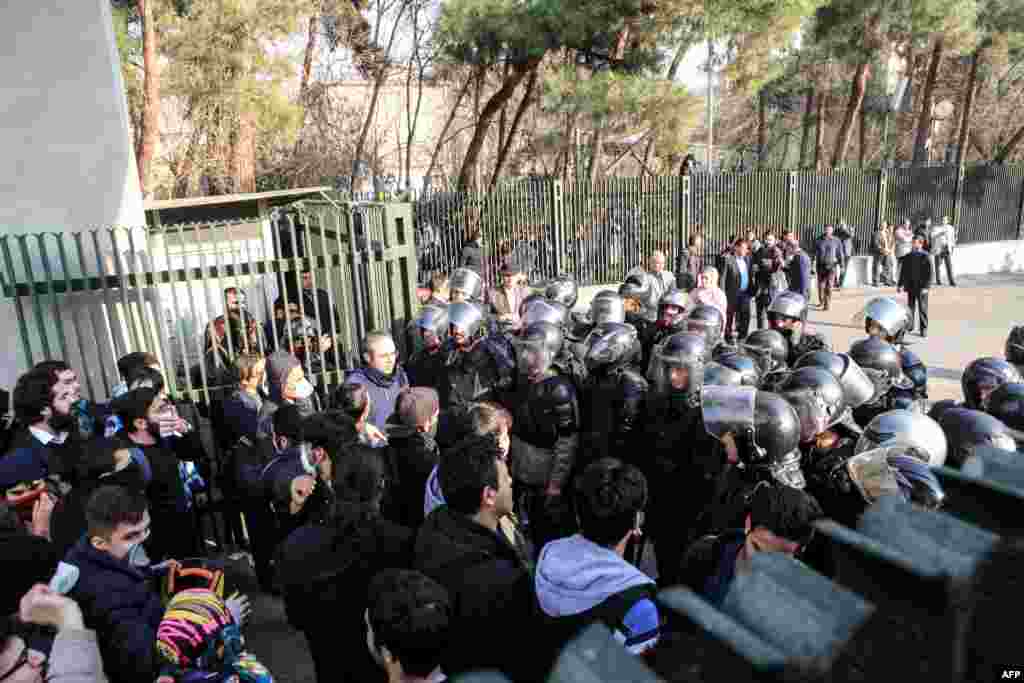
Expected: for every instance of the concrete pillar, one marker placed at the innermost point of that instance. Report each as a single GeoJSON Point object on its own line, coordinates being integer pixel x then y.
{"type": "Point", "coordinates": [68, 165]}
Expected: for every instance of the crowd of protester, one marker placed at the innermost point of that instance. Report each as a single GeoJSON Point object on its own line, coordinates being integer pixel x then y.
{"type": "Point", "coordinates": [527, 471]}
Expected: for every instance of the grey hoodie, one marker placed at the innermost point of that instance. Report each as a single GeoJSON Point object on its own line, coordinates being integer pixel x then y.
{"type": "Point", "coordinates": [574, 575]}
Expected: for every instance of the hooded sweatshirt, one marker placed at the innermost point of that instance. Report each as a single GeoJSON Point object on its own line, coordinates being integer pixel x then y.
{"type": "Point", "coordinates": [575, 576]}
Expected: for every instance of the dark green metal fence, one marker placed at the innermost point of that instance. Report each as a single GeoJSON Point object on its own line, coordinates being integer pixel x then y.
{"type": "Point", "coordinates": [599, 233]}
{"type": "Point", "coordinates": [92, 296]}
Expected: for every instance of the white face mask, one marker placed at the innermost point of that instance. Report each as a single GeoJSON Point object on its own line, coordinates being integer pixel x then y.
{"type": "Point", "coordinates": [137, 556]}
{"type": "Point", "coordinates": [303, 389]}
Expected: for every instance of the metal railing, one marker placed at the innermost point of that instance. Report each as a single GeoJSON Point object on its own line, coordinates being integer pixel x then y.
{"type": "Point", "coordinates": [598, 233]}
{"type": "Point", "coordinates": [94, 295]}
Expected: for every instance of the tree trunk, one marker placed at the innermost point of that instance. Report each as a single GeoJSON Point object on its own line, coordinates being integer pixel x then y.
{"type": "Point", "coordinates": [857, 90]}
{"type": "Point", "coordinates": [307, 60]}
{"type": "Point", "coordinates": [762, 128]}
{"type": "Point", "coordinates": [243, 153]}
{"type": "Point", "coordinates": [494, 104]}
{"type": "Point", "coordinates": [924, 120]}
{"type": "Point", "coordinates": [596, 150]}
{"type": "Point", "coordinates": [524, 104]}
{"type": "Point", "coordinates": [965, 117]}
{"type": "Point", "coordinates": [378, 82]}
{"type": "Point", "coordinates": [448, 124]}
{"type": "Point", "coordinates": [147, 138]}
{"type": "Point", "coordinates": [805, 137]}
{"type": "Point", "coordinates": [862, 147]}
{"type": "Point", "coordinates": [819, 134]}
{"type": "Point", "coordinates": [1008, 149]}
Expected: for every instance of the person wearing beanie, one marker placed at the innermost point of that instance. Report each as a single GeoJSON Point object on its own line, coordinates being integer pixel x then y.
{"type": "Point", "coordinates": [412, 453]}
{"type": "Point", "coordinates": [382, 375]}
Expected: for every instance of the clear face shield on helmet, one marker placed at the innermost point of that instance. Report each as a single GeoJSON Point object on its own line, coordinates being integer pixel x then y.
{"type": "Point", "coordinates": [430, 327]}
{"type": "Point", "coordinates": [812, 410]}
{"type": "Point", "coordinates": [711, 331]}
{"type": "Point", "coordinates": [465, 285]}
{"type": "Point", "coordinates": [871, 473]}
{"type": "Point", "coordinates": [885, 318]}
{"type": "Point", "coordinates": [609, 309]}
{"type": "Point", "coordinates": [534, 358]}
{"type": "Point", "coordinates": [609, 345]}
{"type": "Point", "coordinates": [464, 323]}
{"type": "Point", "coordinates": [918, 435]}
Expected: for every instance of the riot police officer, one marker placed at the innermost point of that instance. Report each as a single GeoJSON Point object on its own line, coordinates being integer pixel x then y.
{"type": "Point", "coordinates": [636, 293]}
{"type": "Point", "coordinates": [759, 432]}
{"type": "Point", "coordinates": [966, 429]}
{"type": "Point", "coordinates": [886, 318]}
{"type": "Point", "coordinates": [542, 310]}
{"type": "Point", "coordinates": [475, 365]}
{"type": "Point", "coordinates": [671, 319]}
{"type": "Point", "coordinates": [613, 396]}
{"type": "Point", "coordinates": [679, 460]}
{"type": "Point", "coordinates": [788, 314]}
{"type": "Point", "coordinates": [919, 435]}
{"type": "Point", "coordinates": [982, 376]}
{"type": "Point", "coordinates": [883, 364]}
{"type": "Point", "coordinates": [743, 365]}
{"type": "Point", "coordinates": [426, 365]}
{"type": "Point", "coordinates": [546, 419]}
{"type": "Point", "coordinates": [1015, 347]}
{"type": "Point", "coordinates": [709, 322]}
{"type": "Point", "coordinates": [770, 350]}
{"type": "Point", "coordinates": [564, 291]}
{"type": "Point", "coordinates": [1006, 404]}
{"type": "Point", "coordinates": [466, 286]}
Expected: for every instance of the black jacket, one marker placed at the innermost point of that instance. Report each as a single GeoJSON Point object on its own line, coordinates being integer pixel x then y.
{"type": "Point", "coordinates": [916, 271]}
{"type": "Point", "coordinates": [325, 573]}
{"type": "Point", "coordinates": [411, 457]}
{"type": "Point", "coordinates": [731, 278]}
{"type": "Point", "coordinates": [26, 561]}
{"type": "Point", "coordinates": [495, 606]}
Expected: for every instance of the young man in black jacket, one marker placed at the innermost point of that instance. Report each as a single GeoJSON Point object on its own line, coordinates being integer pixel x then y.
{"type": "Point", "coordinates": [461, 547]}
{"type": "Point", "coordinates": [916, 278]}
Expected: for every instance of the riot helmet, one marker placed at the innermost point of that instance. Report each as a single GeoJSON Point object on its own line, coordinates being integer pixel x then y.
{"type": "Point", "coordinates": [817, 397]}
{"type": "Point", "coordinates": [431, 325]}
{"type": "Point", "coordinates": [607, 307]}
{"type": "Point", "coordinates": [536, 348]}
{"type": "Point", "coordinates": [1006, 404]}
{"type": "Point", "coordinates": [718, 375]}
{"type": "Point", "coordinates": [465, 322]}
{"type": "Point", "coordinates": [677, 364]}
{"type": "Point", "coordinates": [982, 377]}
{"type": "Point", "coordinates": [858, 388]}
{"type": "Point", "coordinates": [610, 345]}
{"type": "Point", "coordinates": [966, 429]}
{"type": "Point", "coordinates": [563, 290]}
{"type": "Point", "coordinates": [540, 310]}
{"type": "Point", "coordinates": [939, 408]}
{"type": "Point", "coordinates": [1015, 346]}
{"type": "Point", "coordinates": [744, 365]}
{"type": "Point", "coordinates": [917, 481]}
{"type": "Point", "coordinates": [636, 289]}
{"type": "Point", "coordinates": [672, 308]}
{"type": "Point", "coordinates": [465, 285]}
{"type": "Point", "coordinates": [770, 347]}
{"type": "Point", "coordinates": [708, 321]}
{"type": "Point", "coordinates": [787, 313]}
{"type": "Point", "coordinates": [763, 426]}
{"type": "Point", "coordinates": [886, 318]}
{"type": "Point", "coordinates": [919, 434]}
{"type": "Point", "coordinates": [915, 371]}
{"type": "Point", "coordinates": [882, 363]}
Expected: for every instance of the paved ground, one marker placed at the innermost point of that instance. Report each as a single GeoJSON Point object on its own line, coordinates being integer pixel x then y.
{"type": "Point", "coordinates": [968, 321]}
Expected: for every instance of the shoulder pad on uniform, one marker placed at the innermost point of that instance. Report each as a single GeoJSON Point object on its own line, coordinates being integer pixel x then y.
{"type": "Point", "coordinates": [560, 389]}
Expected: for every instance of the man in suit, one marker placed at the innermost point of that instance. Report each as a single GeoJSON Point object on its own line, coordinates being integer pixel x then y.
{"type": "Point", "coordinates": [738, 283]}
{"type": "Point", "coordinates": [798, 267]}
{"type": "Point", "coordinates": [916, 277]}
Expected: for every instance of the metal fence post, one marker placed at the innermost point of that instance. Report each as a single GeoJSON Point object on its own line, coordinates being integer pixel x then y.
{"type": "Point", "coordinates": [556, 224]}
{"type": "Point", "coordinates": [1020, 214]}
{"type": "Point", "coordinates": [883, 189]}
{"type": "Point", "coordinates": [685, 219]}
{"type": "Point", "coordinates": [791, 202]}
{"type": "Point", "coordinates": [958, 193]}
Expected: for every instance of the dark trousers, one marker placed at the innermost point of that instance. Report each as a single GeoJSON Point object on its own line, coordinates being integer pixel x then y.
{"type": "Point", "coordinates": [826, 278]}
{"type": "Point", "coordinates": [762, 302]}
{"type": "Point", "coordinates": [882, 266]}
{"type": "Point", "coordinates": [947, 256]}
{"type": "Point", "coordinates": [917, 301]}
{"type": "Point", "coordinates": [738, 311]}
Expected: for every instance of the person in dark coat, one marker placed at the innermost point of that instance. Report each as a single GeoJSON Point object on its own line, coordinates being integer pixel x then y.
{"type": "Point", "coordinates": [382, 376]}
{"type": "Point", "coordinates": [916, 278]}
{"type": "Point", "coordinates": [113, 587]}
{"type": "Point", "coordinates": [769, 276]}
{"type": "Point", "coordinates": [798, 267]}
{"type": "Point", "coordinates": [739, 286]}
{"type": "Point", "coordinates": [412, 453]}
{"type": "Point", "coordinates": [326, 568]}
{"type": "Point", "coordinates": [460, 547]}
{"type": "Point", "coordinates": [26, 559]}
{"type": "Point", "coordinates": [315, 304]}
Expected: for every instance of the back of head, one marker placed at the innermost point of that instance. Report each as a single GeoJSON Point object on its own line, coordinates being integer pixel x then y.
{"type": "Point", "coordinates": [351, 399]}
{"type": "Point", "coordinates": [609, 495]}
{"type": "Point", "coordinates": [145, 377]}
{"type": "Point", "coordinates": [359, 478]}
{"type": "Point", "coordinates": [416, 406]}
{"type": "Point", "coordinates": [785, 511]}
{"type": "Point", "coordinates": [288, 421]}
{"type": "Point", "coordinates": [409, 614]}
{"type": "Point", "coordinates": [111, 506]}
{"type": "Point", "coordinates": [134, 405]}
{"type": "Point", "coordinates": [32, 395]}
{"type": "Point", "coordinates": [129, 364]}
{"type": "Point", "coordinates": [466, 469]}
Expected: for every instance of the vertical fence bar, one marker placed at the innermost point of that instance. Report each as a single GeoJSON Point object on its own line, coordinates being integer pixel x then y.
{"type": "Point", "coordinates": [36, 306]}
{"type": "Point", "coordinates": [197, 338]}
{"type": "Point", "coordinates": [75, 323]}
{"type": "Point", "coordinates": [178, 321]}
{"type": "Point", "coordinates": [22, 324]}
{"type": "Point", "coordinates": [48, 272]}
{"type": "Point", "coordinates": [126, 315]}
{"type": "Point", "coordinates": [556, 223]}
{"type": "Point", "coordinates": [102, 315]}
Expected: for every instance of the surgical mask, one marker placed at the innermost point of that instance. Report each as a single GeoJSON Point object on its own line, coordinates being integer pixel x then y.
{"type": "Point", "coordinates": [303, 389]}
{"type": "Point", "coordinates": [306, 457]}
{"type": "Point", "coordinates": [137, 556]}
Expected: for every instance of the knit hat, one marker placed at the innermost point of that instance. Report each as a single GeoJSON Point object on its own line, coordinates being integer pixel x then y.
{"type": "Point", "coordinates": [279, 365]}
{"type": "Point", "coordinates": [416, 405]}
{"type": "Point", "coordinates": [198, 634]}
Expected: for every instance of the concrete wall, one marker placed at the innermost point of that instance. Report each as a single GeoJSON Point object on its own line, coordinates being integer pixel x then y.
{"type": "Point", "coordinates": [67, 159]}
{"type": "Point", "coordinates": [989, 257]}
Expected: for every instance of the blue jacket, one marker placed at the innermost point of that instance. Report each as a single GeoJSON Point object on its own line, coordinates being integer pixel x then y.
{"type": "Point", "coordinates": [798, 271]}
{"type": "Point", "coordinates": [383, 393]}
{"type": "Point", "coordinates": [118, 603]}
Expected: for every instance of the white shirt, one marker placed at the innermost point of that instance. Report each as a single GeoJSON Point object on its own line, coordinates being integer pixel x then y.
{"type": "Point", "coordinates": [46, 438]}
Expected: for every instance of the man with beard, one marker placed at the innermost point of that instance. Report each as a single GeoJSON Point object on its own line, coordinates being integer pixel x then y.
{"type": "Point", "coordinates": [679, 461]}
{"type": "Point", "coordinates": [546, 419]}
{"type": "Point", "coordinates": [614, 394]}
{"type": "Point", "coordinates": [788, 314]}
{"type": "Point", "coordinates": [382, 376]}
